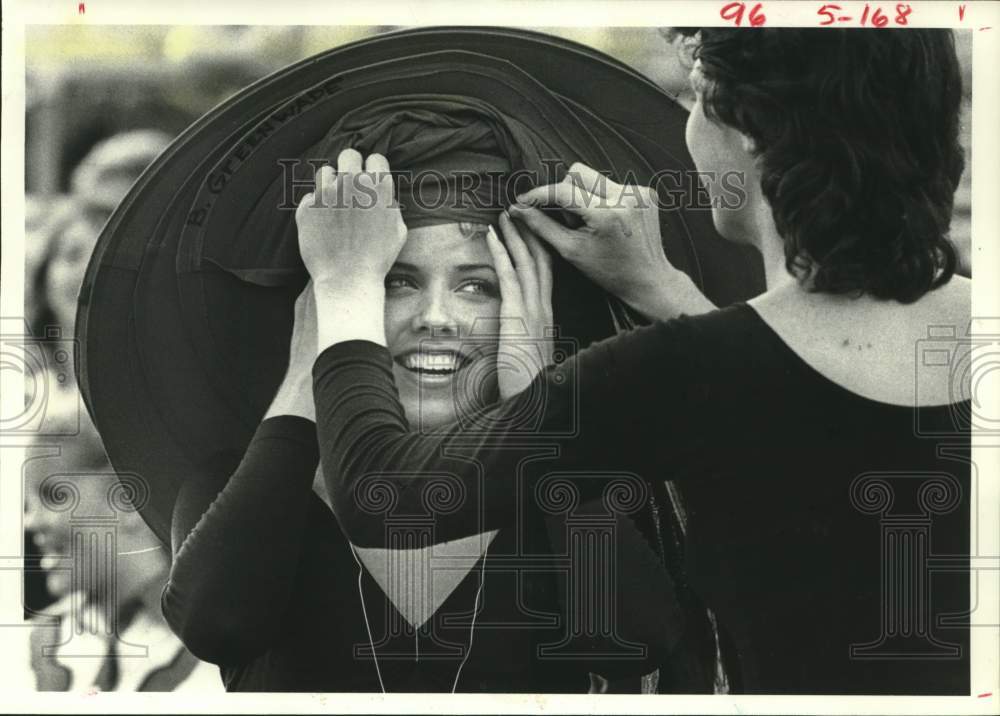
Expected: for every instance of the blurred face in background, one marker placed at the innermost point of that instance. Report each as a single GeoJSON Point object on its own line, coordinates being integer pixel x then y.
{"type": "Point", "coordinates": [68, 261]}
{"type": "Point", "coordinates": [68, 479]}
{"type": "Point", "coordinates": [441, 295]}
{"type": "Point", "coordinates": [97, 184]}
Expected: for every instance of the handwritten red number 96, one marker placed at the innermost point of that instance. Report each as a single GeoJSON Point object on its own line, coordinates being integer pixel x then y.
{"type": "Point", "coordinates": [736, 10]}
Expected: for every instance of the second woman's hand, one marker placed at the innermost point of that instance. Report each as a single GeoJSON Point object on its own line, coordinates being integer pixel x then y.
{"type": "Point", "coordinates": [619, 247]}
{"type": "Point", "coordinates": [526, 324]}
{"type": "Point", "coordinates": [350, 231]}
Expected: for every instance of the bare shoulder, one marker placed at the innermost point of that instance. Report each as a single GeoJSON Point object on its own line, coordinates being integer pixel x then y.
{"type": "Point", "coordinates": [953, 300]}
{"type": "Point", "coordinates": [876, 348]}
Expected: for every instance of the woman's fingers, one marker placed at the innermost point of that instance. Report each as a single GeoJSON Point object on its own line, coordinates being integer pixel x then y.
{"type": "Point", "coordinates": [524, 266]}
{"type": "Point", "coordinates": [326, 185]}
{"type": "Point", "coordinates": [353, 186]}
{"type": "Point", "coordinates": [515, 369]}
{"type": "Point", "coordinates": [380, 170]}
{"type": "Point", "coordinates": [384, 185]}
{"type": "Point", "coordinates": [378, 167]}
{"type": "Point", "coordinates": [349, 161]}
{"type": "Point", "coordinates": [534, 271]}
{"type": "Point", "coordinates": [543, 270]}
{"type": "Point", "coordinates": [512, 302]}
{"type": "Point", "coordinates": [376, 164]}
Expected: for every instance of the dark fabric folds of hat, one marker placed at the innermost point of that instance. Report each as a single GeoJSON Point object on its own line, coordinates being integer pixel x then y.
{"type": "Point", "coordinates": [448, 166]}
{"type": "Point", "coordinates": [457, 158]}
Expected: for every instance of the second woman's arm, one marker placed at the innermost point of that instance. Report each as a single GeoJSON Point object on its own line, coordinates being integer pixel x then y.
{"type": "Point", "coordinates": [602, 414]}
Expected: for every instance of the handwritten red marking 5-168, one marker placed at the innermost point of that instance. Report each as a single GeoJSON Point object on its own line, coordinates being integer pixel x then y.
{"type": "Point", "coordinates": [832, 13]}
{"type": "Point", "coordinates": [736, 11]}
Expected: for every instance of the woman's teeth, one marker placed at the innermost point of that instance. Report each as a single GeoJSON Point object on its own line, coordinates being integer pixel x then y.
{"type": "Point", "coordinates": [432, 362]}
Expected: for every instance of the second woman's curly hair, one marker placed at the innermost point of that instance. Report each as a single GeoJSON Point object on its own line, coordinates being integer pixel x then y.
{"type": "Point", "coordinates": [857, 139]}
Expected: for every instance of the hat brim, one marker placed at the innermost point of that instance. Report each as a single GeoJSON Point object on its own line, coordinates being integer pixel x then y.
{"type": "Point", "coordinates": [179, 359]}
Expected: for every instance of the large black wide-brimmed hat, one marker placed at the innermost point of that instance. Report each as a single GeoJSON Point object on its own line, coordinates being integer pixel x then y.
{"type": "Point", "coordinates": [185, 314]}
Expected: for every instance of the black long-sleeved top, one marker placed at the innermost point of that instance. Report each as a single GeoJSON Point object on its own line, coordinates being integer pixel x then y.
{"type": "Point", "coordinates": [265, 585]}
{"type": "Point", "coordinates": [782, 469]}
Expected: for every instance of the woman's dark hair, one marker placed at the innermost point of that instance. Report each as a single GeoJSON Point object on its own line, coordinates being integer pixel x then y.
{"type": "Point", "coordinates": [857, 137]}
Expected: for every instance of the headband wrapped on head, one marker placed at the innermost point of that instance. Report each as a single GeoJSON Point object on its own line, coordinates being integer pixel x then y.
{"type": "Point", "coordinates": [449, 164]}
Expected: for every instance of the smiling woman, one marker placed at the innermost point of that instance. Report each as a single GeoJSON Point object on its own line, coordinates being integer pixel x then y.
{"type": "Point", "coordinates": [441, 317]}
{"type": "Point", "coordinates": [444, 327]}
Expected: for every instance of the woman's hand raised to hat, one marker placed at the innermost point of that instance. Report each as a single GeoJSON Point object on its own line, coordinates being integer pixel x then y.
{"type": "Point", "coordinates": [524, 271]}
{"type": "Point", "coordinates": [350, 232]}
{"type": "Point", "coordinates": [350, 226]}
{"type": "Point", "coordinates": [619, 247]}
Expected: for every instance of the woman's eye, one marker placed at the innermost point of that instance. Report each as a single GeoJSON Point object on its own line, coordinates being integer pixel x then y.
{"type": "Point", "coordinates": [478, 286]}
{"type": "Point", "coordinates": [397, 282]}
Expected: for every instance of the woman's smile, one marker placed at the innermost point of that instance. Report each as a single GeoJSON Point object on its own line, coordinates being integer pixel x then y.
{"type": "Point", "coordinates": [435, 366]}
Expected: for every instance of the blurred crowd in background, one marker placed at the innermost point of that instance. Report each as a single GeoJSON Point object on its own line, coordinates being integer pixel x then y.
{"type": "Point", "coordinates": [101, 103]}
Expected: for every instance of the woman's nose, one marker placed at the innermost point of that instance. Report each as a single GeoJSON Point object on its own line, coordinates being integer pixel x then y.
{"type": "Point", "coordinates": [435, 314]}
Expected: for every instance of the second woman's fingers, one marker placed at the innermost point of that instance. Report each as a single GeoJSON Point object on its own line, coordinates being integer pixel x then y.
{"type": "Point", "coordinates": [592, 180]}
{"type": "Point", "coordinates": [565, 194]}
{"type": "Point", "coordinates": [550, 230]}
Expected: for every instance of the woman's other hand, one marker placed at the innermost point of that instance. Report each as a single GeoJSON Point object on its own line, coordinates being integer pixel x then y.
{"type": "Point", "coordinates": [619, 247]}
{"type": "Point", "coordinates": [350, 228]}
{"type": "Point", "coordinates": [524, 270]}
{"type": "Point", "coordinates": [295, 394]}
{"type": "Point", "coordinates": [350, 232]}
